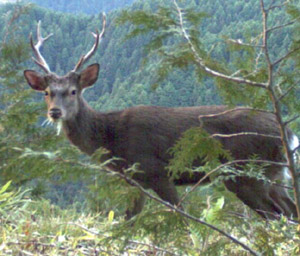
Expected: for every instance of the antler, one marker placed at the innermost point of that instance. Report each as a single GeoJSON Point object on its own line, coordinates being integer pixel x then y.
{"type": "Point", "coordinates": [98, 38]}
{"type": "Point", "coordinates": [36, 49]}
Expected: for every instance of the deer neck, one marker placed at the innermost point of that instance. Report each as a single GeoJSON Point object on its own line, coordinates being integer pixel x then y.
{"type": "Point", "coordinates": [87, 129]}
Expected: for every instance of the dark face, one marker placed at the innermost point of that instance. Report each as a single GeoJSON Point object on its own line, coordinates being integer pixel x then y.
{"type": "Point", "coordinates": [62, 94]}
{"type": "Point", "coordinates": [62, 97]}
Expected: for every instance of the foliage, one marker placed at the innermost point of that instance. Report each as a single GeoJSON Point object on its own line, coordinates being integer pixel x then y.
{"type": "Point", "coordinates": [11, 201]}
{"type": "Point", "coordinates": [44, 229]}
{"type": "Point", "coordinates": [77, 6]}
{"type": "Point", "coordinates": [199, 148]}
{"type": "Point", "coordinates": [36, 156]}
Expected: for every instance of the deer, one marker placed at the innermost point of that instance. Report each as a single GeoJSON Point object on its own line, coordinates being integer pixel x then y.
{"type": "Point", "coordinates": [144, 135]}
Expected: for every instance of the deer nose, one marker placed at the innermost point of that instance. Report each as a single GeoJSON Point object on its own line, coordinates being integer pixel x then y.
{"type": "Point", "coordinates": [55, 113]}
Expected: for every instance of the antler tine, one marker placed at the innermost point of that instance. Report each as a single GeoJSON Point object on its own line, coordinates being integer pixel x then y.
{"type": "Point", "coordinates": [40, 61]}
{"type": "Point", "coordinates": [98, 38]}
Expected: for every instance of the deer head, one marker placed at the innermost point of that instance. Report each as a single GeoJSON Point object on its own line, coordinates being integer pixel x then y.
{"type": "Point", "coordinates": [63, 93]}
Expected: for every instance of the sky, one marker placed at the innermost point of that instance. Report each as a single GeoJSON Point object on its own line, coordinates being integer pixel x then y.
{"type": "Point", "coordinates": [7, 1]}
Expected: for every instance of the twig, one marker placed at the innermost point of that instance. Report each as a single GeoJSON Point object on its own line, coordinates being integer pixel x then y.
{"type": "Point", "coordinates": [17, 11]}
{"type": "Point", "coordinates": [286, 93]}
{"type": "Point", "coordinates": [186, 215]}
{"type": "Point", "coordinates": [36, 243]}
{"type": "Point", "coordinates": [256, 63]}
{"type": "Point", "coordinates": [286, 56]}
{"type": "Point", "coordinates": [239, 42]}
{"type": "Point", "coordinates": [276, 6]}
{"type": "Point", "coordinates": [283, 25]}
{"type": "Point", "coordinates": [129, 241]}
{"type": "Point", "coordinates": [167, 204]}
{"type": "Point", "coordinates": [62, 248]}
{"type": "Point", "coordinates": [201, 63]}
{"type": "Point", "coordinates": [245, 134]}
{"type": "Point", "coordinates": [265, 37]}
{"type": "Point", "coordinates": [291, 120]}
{"type": "Point", "coordinates": [269, 85]}
{"type": "Point", "coordinates": [242, 161]}
{"type": "Point", "coordinates": [234, 109]}
{"type": "Point", "coordinates": [278, 113]}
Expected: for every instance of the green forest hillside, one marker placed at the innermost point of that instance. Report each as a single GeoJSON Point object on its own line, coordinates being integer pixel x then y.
{"type": "Point", "coordinates": [122, 61]}
{"type": "Point", "coordinates": [79, 6]}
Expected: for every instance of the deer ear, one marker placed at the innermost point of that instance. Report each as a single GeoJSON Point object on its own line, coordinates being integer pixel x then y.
{"type": "Point", "coordinates": [89, 76]}
{"type": "Point", "coordinates": [35, 80]}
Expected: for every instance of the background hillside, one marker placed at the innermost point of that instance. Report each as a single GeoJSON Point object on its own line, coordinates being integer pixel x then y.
{"type": "Point", "coordinates": [80, 6]}
{"type": "Point", "coordinates": [122, 62]}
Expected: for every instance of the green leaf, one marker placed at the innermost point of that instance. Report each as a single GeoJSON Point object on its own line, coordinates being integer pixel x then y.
{"type": "Point", "coordinates": [5, 187]}
{"type": "Point", "coordinates": [111, 215]}
{"type": "Point", "coordinates": [196, 147]}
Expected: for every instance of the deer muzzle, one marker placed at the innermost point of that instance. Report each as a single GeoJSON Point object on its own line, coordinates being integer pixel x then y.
{"type": "Point", "coordinates": [55, 113]}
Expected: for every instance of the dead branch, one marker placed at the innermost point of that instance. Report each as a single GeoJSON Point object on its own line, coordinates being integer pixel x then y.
{"type": "Point", "coordinates": [280, 98]}
{"type": "Point", "coordinates": [283, 25]}
{"type": "Point", "coordinates": [272, 7]}
{"type": "Point", "coordinates": [234, 162]}
{"type": "Point", "coordinates": [244, 134]}
{"type": "Point", "coordinates": [232, 110]}
{"type": "Point", "coordinates": [150, 246]}
{"type": "Point", "coordinates": [132, 182]}
{"type": "Point", "coordinates": [278, 112]}
{"type": "Point", "coordinates": [291, 120]}
{"type": "Point", "coordinates": [201, 62]}
{"type": "Point", "coordinates": [286, 56]}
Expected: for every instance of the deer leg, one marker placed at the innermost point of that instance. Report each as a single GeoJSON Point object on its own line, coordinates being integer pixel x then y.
{"type": "Point", "coordinates": [153, 175]}
{"type": "Point", "coordinates": [281, 197]}
{"type": "Point", "coordinates": [138, 205]}
{"type": "Point", "coordinates": [166, 190]}
{"type": "Point", "coordinates": [255, 194]}
{"type": "Point", "coordinates": [163, 187]}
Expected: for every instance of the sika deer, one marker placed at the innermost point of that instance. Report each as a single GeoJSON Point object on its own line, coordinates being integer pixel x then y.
{"type": "Point", "coordinates": [144, 134]}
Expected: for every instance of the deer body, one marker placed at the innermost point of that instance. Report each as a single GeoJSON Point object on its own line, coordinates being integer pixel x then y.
{"type": "Point", "coordinates": [139, 132]}
{"type": "Point", "coordinates": [144, 134]}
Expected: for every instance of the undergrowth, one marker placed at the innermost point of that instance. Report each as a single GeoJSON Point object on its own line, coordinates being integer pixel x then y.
{"type": "Point", "coordinates": [40, 228]}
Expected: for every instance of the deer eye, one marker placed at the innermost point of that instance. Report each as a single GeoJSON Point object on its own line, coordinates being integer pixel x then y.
{"type": "Point", "coordinates": [46, 93]}
{"type": "Point", "coordinates": [73, 92]}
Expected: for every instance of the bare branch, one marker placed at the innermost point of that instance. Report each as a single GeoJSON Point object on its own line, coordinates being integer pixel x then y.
{"type": "Point", "coordinates": [151, 246]}
{"type": "Point", "coordinates": [278, 111]}
{"type": "Point", "coordinates": [201, 62]}
{"type": "Point", "coordinates": [265, 37]}
{"type": "Point", "coordinates": [40, 61]}
{"type": "Point", "coordinates": [286, 56]}
{"type": "Point", "coordinates": [232, 110]}
{"type": "Point", "coordinates": [98, 38]}
{"type": "Point", "coordinates": [256, 64]}
{"type": "Point", "coordinates": [167, 204]}
{"type": "Point", "coordinates": [286, 93]}
{"type": "Point", "coordinates": [272, 7]}
{"type": "Point", "coordinates": [239, 42]}
{"type": "Point", "coordinates": [283, 25]}
{"type": "Point", "coordinates": [186, 215]}
{"type": "Point", "coordinates": [242, 161]}
{"type": "Point", "coordinates": [244, 134]}
{"type": "Point", "coordinates": [291, 120]}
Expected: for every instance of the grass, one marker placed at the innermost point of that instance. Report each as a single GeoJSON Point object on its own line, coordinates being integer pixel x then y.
{"type": "Point", "coordinates": [37, 227]}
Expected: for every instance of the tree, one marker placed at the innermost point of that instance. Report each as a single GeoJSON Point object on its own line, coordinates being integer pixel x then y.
{"type": "Point", "coordinates": [29, 151]}
{"type": "Point", "coordinates": [272, 78]}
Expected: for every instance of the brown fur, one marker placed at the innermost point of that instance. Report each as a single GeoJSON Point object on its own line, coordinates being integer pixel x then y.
{"type": "Point", "coordinates": [144, 134]}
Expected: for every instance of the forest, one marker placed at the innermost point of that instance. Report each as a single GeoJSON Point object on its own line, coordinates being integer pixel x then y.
{"type": "Point", "coordinates": [56, 200]}
{"type": "Point", "coordinates": [84, 7]}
